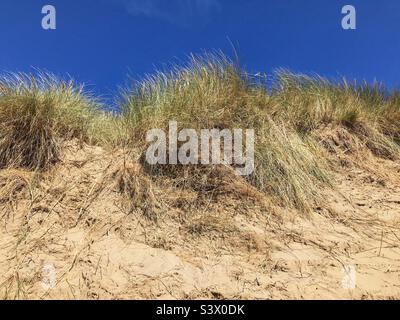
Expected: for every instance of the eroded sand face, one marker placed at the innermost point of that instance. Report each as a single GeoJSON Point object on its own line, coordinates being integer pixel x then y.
{"type": "Point", "coordinates": [71, 236]}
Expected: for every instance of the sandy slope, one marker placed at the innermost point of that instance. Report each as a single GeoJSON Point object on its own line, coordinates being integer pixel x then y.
{"type": "Point", "coordinates": [228, 242]}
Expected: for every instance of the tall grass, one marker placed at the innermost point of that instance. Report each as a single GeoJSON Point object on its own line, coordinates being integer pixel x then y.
{"type": "Point", "coordinates": [38, 112]}
{"type": "Point", "coordinates": [211, 92]}
{"type": "Point", "coordinates": [370, 112]}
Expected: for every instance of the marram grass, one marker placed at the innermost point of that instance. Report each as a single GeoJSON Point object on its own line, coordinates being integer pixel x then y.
{"type": "Point", "coordinates": [39, 112]}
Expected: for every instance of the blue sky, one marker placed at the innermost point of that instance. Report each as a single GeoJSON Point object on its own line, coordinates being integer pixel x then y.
{"type": "Point", "coordinates": [100, 42]}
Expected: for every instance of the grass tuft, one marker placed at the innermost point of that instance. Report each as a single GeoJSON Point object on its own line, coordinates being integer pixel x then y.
{"type": "Point", "coordinates": [38, 112]}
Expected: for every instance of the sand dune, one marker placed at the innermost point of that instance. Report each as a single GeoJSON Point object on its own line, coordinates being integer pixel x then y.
{"type": "Point", "coordinates": [231, 242]}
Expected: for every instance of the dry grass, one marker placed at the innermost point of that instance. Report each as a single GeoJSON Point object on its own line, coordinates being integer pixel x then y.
{"type": "Point", "coordinates": [38, 113]}
{"type": "Point", "coordinates": [137, 191]}
{"type": "Point", "coordinates": [13, 184]}
{"type": "Point", "coordinates": [369, 112]}
{"type": "Point", "coordinates": [107, 201]}
{"type": "Point", "coordinates": [212, 93]}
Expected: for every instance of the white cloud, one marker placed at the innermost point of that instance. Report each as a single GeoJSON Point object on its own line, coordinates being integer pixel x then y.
{"type": "Point", "coordinates": [174, 11]}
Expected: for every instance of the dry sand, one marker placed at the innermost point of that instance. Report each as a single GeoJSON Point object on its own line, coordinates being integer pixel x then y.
{"type": "Point", "coordinates": [70, 234]}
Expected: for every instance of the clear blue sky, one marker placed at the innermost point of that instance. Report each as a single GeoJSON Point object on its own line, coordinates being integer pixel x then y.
{"type": "Point", "coordinates": [100, 42]}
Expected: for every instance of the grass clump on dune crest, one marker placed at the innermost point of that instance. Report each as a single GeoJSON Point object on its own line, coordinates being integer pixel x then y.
{"type": "Point", "coordinates": [37, 112]}
{"type": "Point", "coordinates": [369, 112]}
{"type": "Point", "coordinates": [211, 92]}
{"type": "Point", "coordinates": [207, 93]}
